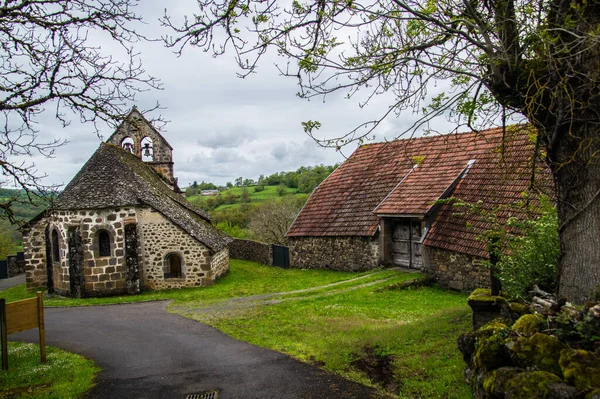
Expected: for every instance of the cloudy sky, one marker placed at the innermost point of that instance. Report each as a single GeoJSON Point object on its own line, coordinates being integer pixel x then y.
{"type": "Point", "coordinates": [221, 126]}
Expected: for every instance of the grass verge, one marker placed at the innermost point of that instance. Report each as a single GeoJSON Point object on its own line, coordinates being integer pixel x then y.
{"type": "Point", "coordinates": [64, 375]}
{"type": "Point", "coordinates": [244, 278]}
{"type": "Point", "coordinates": [401, 340]}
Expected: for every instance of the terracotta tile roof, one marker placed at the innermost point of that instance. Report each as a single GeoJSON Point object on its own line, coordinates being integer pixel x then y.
{"type": "Point", "coordinates": [378, 179]}
{"type": "Point", "coordinates": [113, 177]}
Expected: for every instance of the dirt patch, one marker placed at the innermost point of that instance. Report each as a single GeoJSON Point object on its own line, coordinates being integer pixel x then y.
{"type": "Point", "coordinates": [378, 367]}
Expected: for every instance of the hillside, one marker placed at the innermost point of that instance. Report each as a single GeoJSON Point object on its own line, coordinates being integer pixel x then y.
{"type": "Point", "coordinates": [233, 198]}
{"type": "Point", "coordinates": [10, 237]}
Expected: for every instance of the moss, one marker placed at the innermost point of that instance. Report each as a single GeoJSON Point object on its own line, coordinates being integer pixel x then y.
{"type": "Point", "coordinates": [518, 308]}
{"type": "Point", "coordinates": [495, 383]}
{"type": "Point", "coordinates": [580, 368]}
{"type": "Point", "coordinates": [485, 295]}
{"type": "Point", "coordinates": [528, 324]}
{"type": "Point", "coordinates": [530, 385]}
{"type": "Point", "coordinates": [539, 351]}
{"type": "Point", "coordinates": [491, 354]}
{"type": "Point", "coordinates": [595, 394]}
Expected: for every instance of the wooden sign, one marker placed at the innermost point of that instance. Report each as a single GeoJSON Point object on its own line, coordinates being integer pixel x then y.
{"type": "Point", "coordinates": [20, 316]}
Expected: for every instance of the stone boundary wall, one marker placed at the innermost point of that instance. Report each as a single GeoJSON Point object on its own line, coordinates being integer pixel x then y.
{"type": "Point", "coordinates": [455, 270]}
{"type": "Point", "coordinates": [337, 253]}
{"type": "Point", "coordinates": [251, 250]}
{"type": "Point", "coordinates": [14, 265]}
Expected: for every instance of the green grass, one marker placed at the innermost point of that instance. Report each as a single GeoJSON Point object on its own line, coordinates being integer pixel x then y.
{"type": "Point", "coordinates": [64, 375]}
{"type": "Point", "coordinates": [244, 278]}
{"type": "Point", "coordinates": [416, 327]}
{"type": "Point", "coordinates": [270, 192]}
{"type": "Point", "coordinates": [331, 325]}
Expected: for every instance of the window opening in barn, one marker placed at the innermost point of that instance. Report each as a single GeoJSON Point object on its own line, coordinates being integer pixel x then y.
{"type": "Point", "coordinates": [103, 243]}
{"type": "Point", "coordinates": [127, 145]}
{"type": "Point", "coordinates": [55, 248]}
{"type": "Point", "coordinates": [174, 265]}
{"type": "Point", "coordinates": [147, 150]}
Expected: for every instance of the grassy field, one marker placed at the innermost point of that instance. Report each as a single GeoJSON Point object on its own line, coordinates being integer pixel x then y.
{"type": "Point", "coordinates": [399, 339]}
{"type": "Point", "coordinates": [270, 192]}
{"type": "Point", "coordinates": [375, 327]}
{"type": "Point", "coordinates": [64, 375]}
{"type": "Point", "coordinates": [244, 278]}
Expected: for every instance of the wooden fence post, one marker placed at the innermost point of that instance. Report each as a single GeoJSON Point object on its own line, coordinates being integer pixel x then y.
{"type": "Point", "coordinates": [3, 334]}
{"type": "Point", "coordinates": [41, 328]}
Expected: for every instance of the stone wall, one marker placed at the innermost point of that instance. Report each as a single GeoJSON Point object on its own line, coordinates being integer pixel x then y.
{"type": "Point", "coordinates": [220, 264]}
{"type": "Point", "coordinates": [251, 250]}
{"type": "Point", "coordinates": [34, 243]}
{"type": "Point", "coordinates": [455, 270]}
{"type": "Point", "coordinates": [15, 266]}
{"type": "Point", "coordinates": [107, 275]}
{"type": "Point", "coordinates": [337, 253]}
{"type": "Point", "coordinates": [103, 275]}
{"type": "Point", "coordinates": [158, 238]}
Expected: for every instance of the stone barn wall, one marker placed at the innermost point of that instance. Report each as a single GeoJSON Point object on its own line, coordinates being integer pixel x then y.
{"type": "Point", "coordinates": [251, 250]}
{"type": "Point", "coordinates": [159, 238]}
{"type": "Point", "coordinates": [337, 253]}
{"type": "Point", "coordinates": [455, 270]}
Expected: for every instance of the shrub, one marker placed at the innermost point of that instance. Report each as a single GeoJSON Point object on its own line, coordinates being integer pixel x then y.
{"type": "Point", "coordinates": [531, 258]}
{"type": "Point", "coordinates": [233, 230]}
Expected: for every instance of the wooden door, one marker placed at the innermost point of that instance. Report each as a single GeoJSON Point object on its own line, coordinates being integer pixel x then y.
{"type": "Point", "coordinates": [406, 248]}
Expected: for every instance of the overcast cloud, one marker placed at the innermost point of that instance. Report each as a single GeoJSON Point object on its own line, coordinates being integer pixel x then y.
{"type": "Point", "coordinates": [222, 127]}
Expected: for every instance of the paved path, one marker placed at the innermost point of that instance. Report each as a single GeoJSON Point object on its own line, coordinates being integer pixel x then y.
{"type": "Point", "coordinates": [12, 281]}
{"type": "Point", "coordinates": [148, 353]}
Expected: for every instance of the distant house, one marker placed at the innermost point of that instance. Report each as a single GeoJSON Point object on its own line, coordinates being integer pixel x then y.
{"type": "Point", "coordinates": [209, 193]}
{"type": "Point", "coordinates": [121, 225]}
{"type": "Point", "coordinates": [381, 206]}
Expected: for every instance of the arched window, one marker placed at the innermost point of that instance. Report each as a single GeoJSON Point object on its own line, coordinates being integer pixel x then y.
{"type": "Point", "coordinates": [103, 243]}
{"type": "Point", "coordinates": [127, 145]}
{"type": "Point", "coordinates": [173, 263]}
{"type": "Point", "coordinates": [55, 247]}
{"type": "Point", "coordinates": [147, 149]}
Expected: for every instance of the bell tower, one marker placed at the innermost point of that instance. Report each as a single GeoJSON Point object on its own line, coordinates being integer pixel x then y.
{"type": "Point", "coordinates": [137, 135]}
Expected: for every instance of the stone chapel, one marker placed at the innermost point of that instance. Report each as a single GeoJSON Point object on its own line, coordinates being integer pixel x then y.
{"type": "Point", "coordinates": [122, 225]}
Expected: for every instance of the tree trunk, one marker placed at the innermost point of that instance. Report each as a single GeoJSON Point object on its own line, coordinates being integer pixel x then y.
{"type": "Point", "coordinates": [576, 169]}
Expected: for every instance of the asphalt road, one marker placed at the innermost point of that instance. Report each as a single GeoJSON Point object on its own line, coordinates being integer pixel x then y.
{"type": "Point", "coordinates": [12, 281]}
{"type": "Point", "coordinates": [146, 352]}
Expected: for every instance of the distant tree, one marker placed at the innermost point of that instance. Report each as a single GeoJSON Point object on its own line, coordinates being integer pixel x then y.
{"type": "Point", "coordinates": [207, 186]}
{"type": "Point", "coordinates": [229, 198]}
{"type": "Point", "coordinates": [238, 182]}
{"type": "Point", "coordinates": [49, 65]}
{"type": "Point", "coordinates": [228, 184]}
{"type": "Point", "coordinates": [6, 245]}
{"type": "Point", "coordinates": [258, 188]}
{"type": "Point", "coordinates": [281, 191]}
{"type": "Point", "coordinates": [270, 221]}
{"type": "Point", "coordinates": [195, 184]}
{"type": "Point", "coordinates": [245, 197]}
{"type": "Point", "coordinates": [190, 191]}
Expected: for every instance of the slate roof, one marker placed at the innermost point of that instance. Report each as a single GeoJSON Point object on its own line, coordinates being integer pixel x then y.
{"type": "Point", "coordinates": [113, 177]}
{"type": "Point", "coordinates": [382, 180]}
